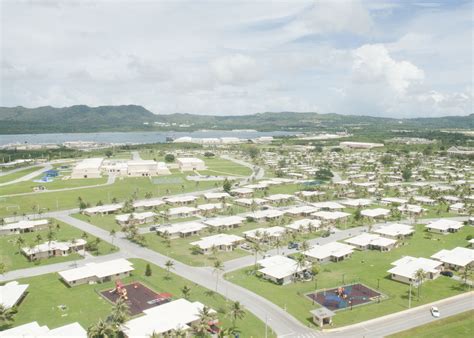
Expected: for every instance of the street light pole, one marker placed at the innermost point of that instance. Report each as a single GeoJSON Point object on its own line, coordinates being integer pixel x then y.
{"type": "Point", "coordinates": [409, 297]}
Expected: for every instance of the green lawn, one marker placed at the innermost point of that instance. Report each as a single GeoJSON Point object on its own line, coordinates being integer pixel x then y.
{"type": "Point", "coordinates": [85, 305]}
{"type": "Point", "coordinates": [461, 325]}
{"type": "Point", "coordinates": [58, 183]}
{"type": "Point", "coordinates": [122, 189]}
{"type": "Point", "coordinates": [368, 267]}
{"type": "Point", "coordinates": [220, 166]}
{"type": "Point", "coordinates": [17, 174]}
{"type": "Point", "coordinates": [14, 260]}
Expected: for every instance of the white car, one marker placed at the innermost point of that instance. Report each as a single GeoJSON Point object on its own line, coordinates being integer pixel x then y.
{"type": "Point", "coordinates": [434, 311]}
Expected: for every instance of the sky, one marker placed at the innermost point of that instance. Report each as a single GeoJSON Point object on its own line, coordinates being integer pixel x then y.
{"type": "Point", "coordinates": [230, 57]}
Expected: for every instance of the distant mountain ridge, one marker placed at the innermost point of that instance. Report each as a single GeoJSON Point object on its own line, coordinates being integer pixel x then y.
{"type": "Point", "coordinates": [82, 118]}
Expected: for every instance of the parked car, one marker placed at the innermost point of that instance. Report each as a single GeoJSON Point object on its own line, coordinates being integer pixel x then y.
{"type": "Point", "coordinates": [293, 245]}
{"type": "Point", "coordinates": [434, 311]}
{"type": "Point", "coordinates": [447, 273]}
{"type": "Point", "coordinates": [246, 246]}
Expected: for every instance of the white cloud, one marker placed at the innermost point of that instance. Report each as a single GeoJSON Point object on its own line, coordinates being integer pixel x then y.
{"type": "Point", "coordinates": [236, 69]}
{"type": "Point", "coordinates": [372, 63]}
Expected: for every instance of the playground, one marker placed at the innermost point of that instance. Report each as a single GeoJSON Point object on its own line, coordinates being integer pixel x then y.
{"type": "Point", "coordinates": [346, 296]}
{"type": "Point", "coordinates": [138, 296]}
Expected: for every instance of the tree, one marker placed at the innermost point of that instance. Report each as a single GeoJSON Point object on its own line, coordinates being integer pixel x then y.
{"type": "Point", "coordinates": [19, 243]}
{"type": "Point", "coordinates": [6, 315]}
{"type": "Point", "coordinates": [120, 312]}
{"type": "Point", "coordinates": [300, 264]}
{"type": "Point", "coordinates": [304, 246]}
{"type": "Point", "coordinates": [205, 317]}
{"type": "Point", "coordinates": [109, 153]}
{"type": "Point", "coordinates": [406, 173]}
{"type": "Point", "coordinates": [256, 249]}
{"type": "Point", "coordinates": [218, 268]}
{"type": "Point", "coordinates": [227, 186]}
{"type": "Point", "coordinates": [112, 234]}
{"type": "Point", "coordinates": [208, 154]}
{"type": "Point", "coordinates": [315, 269]}
{"type": "Point", "coordinates": [169, 158]}
{"type": "Point", "coordinates": [253, 152]}
{"type": "Point", "coordinates": [186, 291]}
{"type": "Point", "coordinates": [466, 273]}
{"type": "Point", "coordinates": [169, 265]}
{"type": "Point", "coordinates": [236, 311]}
{"type": "Point", "coordinates": [323, 174]}
{"type": "Point", "coordinates": [420, 277]}
{"type": "Point", "coordinates": [38, 239]}
{"type": "Point", "coordinates": [148, 271]}
{"type": "Point", "coordinates": [3, 268]}
{"type": "Point", "coordinates": [50, 236]}
{"type": "Point", "coordinates": [101, 329]}
{"type": "Point", "coordinates": [277, 244]}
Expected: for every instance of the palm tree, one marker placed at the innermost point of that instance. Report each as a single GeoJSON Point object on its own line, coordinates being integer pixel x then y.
{"type": "Point", "coordinates": [178, 332]}
{"type": "Point", "coordinates": [300, 264]}
{"type": "Point", "coordinates": [205, 318]}
{"type": "Point", "coordinates": [120, 312]}
{"type": "Point", "coordinates": [6, 314]}
{"type": "Point", "coordinates": [169, 265]}
{"type": "Point", "coordinates": [218, 267]}
{"type": "Point", "coordinates": [420, 277]}
{"type": "Point", "coordinates": [214, 250]}
{"type": "Point", "coordinates": [186, 291]}
{"type": "Point", "coordinates": [112, 234]}
{"type": "Point", "coordinates": [466, 273]}
{"type": "Point", "coordinates": [236, 311]}
{"type": "Point", "coordinates": [19, 243]}
{"type": "Point", "coordinates": [50, 236]}
{"type": "Point", "coordinates": [277, 244]}
{"type": "Point", "coordinates": [3, 268]}
{"type": "Point", "coordinates": [101, 330]}
{"type": "Point", "coordinates": [315, 269]}
{"type": "Point", "coordinates": [38, 239]}
{"type": "Point", "coordinates": [228, 332]}
{"type": "Point", "coordinates": [256, 248]}
{"type": "Point", "coordinates": [304, 246]}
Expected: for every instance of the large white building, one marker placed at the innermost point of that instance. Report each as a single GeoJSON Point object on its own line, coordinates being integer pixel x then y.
{"type": "Point", "coordinates": [12, 293]}
{"type": "Point", "coordinates": [405, 269]}
{"type": "Point", "coordinates": [88, 168]}
{"type": "Point", "coordinates": [34, 330]}
{"type": "Point", "coordinates": [190, 164]}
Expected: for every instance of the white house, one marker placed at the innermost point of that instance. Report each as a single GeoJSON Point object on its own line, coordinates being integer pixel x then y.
{"type": "Point", "coordinates": [182, 229]}
{"type": "Point", "coordinates": [333, 251]}
{"type": "Point", "coordinates": [54, 249]}
{"type": "Point", "coordinates": [180, 212]}
{"type": "Point", "coordinates": [280, 269]}
{"type": "Point", "coordinates": [34, 330]}
{"type": "Point", "coordinates": [161, 320]}
{"type": "Point", "coordinates": [12, 293]}
{"type": "Point", "coordinates": [222, 242]}
{"type": "Point", "coordinates": [97, 272]}
{"type": "Point", "coordinates": [265, 215]}
{"type": "Point", "coordinates": [135, 218]}
{"type": "Point", "coordinates": [23, 226]}
{"type": "Point", "coordinates": [330, 217]}
{"type": "Point", "coordinates": [444, 226]}
{"type": "Point", "coordinates": [264, 234]}
{"type": "Point", "coordinates": [190, 164]}
{"type": "Point", "coordinates": [395, 230]}
{"type": "Point", "coordinates": [457, 258]}
{"type": "Point", "coordinates": [303, 225]}
{"type": "Point", "coordinates": [372, 241]}
{"type": "Point", "coordinates": [375, 213]}
{"type": "Point", "coordinates": [405, 269]}
{"type": "Point", "coordinates": [227, 222]}
{"type": "Point", "coordinates": [103, 209]}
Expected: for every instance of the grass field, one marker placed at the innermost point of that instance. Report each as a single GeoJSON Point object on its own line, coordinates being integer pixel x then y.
{"type": "Point", "coordinates": [17, 174]}
{"type": "Point", "coordinates": [461, 325]}
{"type": "Point", "coordinates": [122, 189]}
{"type": "Point", "coordinates": [14, 260]}
{"type": "Point", "coordinates": [85, 305]}
{"type": "Point", "coordinates": [368, 267]}
{"type": "Point", "coordinates": [219, 166]}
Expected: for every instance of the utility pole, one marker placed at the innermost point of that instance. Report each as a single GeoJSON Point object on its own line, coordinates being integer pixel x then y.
{"type": "Point", "coordinates": [266, 326]}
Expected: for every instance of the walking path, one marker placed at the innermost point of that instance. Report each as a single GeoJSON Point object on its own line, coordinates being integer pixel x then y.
{"type": "Point", "coordinates": [29, 176]}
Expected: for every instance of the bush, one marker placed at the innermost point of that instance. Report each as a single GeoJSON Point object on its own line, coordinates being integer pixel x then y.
{"type": "Point", "coordinates": [148, 271]}
{"type": "Point", "coordinates": [169, 158]}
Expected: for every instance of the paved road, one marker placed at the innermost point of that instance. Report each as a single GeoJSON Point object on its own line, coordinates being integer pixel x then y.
{"type": "Point", "coordinates": [12, 171]}
{"type": "Point", "coordinates": [29, 176]}
{"type": "Point", "coordinates": [400, 321]}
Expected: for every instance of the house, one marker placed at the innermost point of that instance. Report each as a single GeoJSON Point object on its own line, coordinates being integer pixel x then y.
{"type": "Point", "coordinates": [280, 198]}
{"type": "Point", "coordinates": [280, 269]}
{"type": "Point", "coordinates": [424, 200]}
{"type": "Point", "coordinates": [372, 241]}
{"type": "Point", "coordinates": [411, 209]}
{"type": "Point", "coordinates": [12, 293]}
{"type": "Point", "coordinates": [163, 319]}
{"type": "Point", "coordinates": [87, 168]}
{"type": "Point", "coordinates": [405, 269]}
{"type": "Point", "coordinates": [459, 208]}
{"type": "Point", "coordinates": [97, 272]}
{"type": "Point", "coordinates": [181, 212]}
{"type": "Point", "coordinates": [248, 202]}
{"type": "Point", "coordinates": [216, 195]}
{"type": "Point", "coordinates": [103, 209]}
{"type": "Point", "coordinates": [181, 229]}
{"type": "Point", "coordinates": [375, 213]}
{"type": "Point", "coordinates": [181, 200]}
{"type": "Point", "coordinates": [393, 200]}
{"type": "Point", "coordinates": [227, 222]}
{"type": "Point", "coordinates": [331, 217]}
{"type": "Point", "coordinates": [54, 249]}
{"type": "Point", "coordinates": [208, 207]}
{"type": "Point", "coordinates": [265, 215]}
{"type": "Point", "coordinates": [395, 230]}
{"type": "Point", "coordinates": [264, 234]}
{"type": "Point", "coordinates": [355, 203]}
{"type": "Point", "coordinates": [222, 242]}
{"type": "Point", "coordinates": [304, 210]}
{"type": "Point", "coordinates": [23, 226]}
{"type": "Point", "coordinates": [455, 259]}
{"type": "Point", "coordinates": [444, 226]}
{"type": "Point", "coordinates": [333, 251]}
{"type": "Point", "coordinates": [140, 168]}
{"type": "Point", "coordinates": [34, 330]}
{"type": "Point", "coordinates": [328, 206]}
{"type": "Point", "coordinates": [190, 164]}
{"type": "Point", "coordinates": [242, 192]}
{"type": "Point", "coordinates": [360, 145]}
{"type": "Point", "coordinates": [304, 225]}
{"type": "Point", "coordinates": [149, 203]}
{"type": "Point", "coordinates": [135, 218]}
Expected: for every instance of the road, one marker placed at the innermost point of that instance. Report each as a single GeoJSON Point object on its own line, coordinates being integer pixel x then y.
{"type": "Point", "coordinates": [29, 176]}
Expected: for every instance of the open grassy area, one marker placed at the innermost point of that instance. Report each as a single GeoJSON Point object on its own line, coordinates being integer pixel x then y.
{"type": "Point", "coordinates": [122, 189]}
{"type": "Point", "coordinates": [461, 325]}
{"type": "Point", "coordinates": [220, 166]}
{"type": "Point", "coordinates": [370, 268]}
{"type": "Point", "coordinates": [85, 305]}
{"type": "Point", "coordinates": [17, 174]}
{"type": "Point", "coordinates": [13, 259]}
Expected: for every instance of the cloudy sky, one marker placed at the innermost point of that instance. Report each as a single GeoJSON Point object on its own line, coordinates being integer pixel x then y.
{"type": "Point", "coordinates": [380, 57]}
